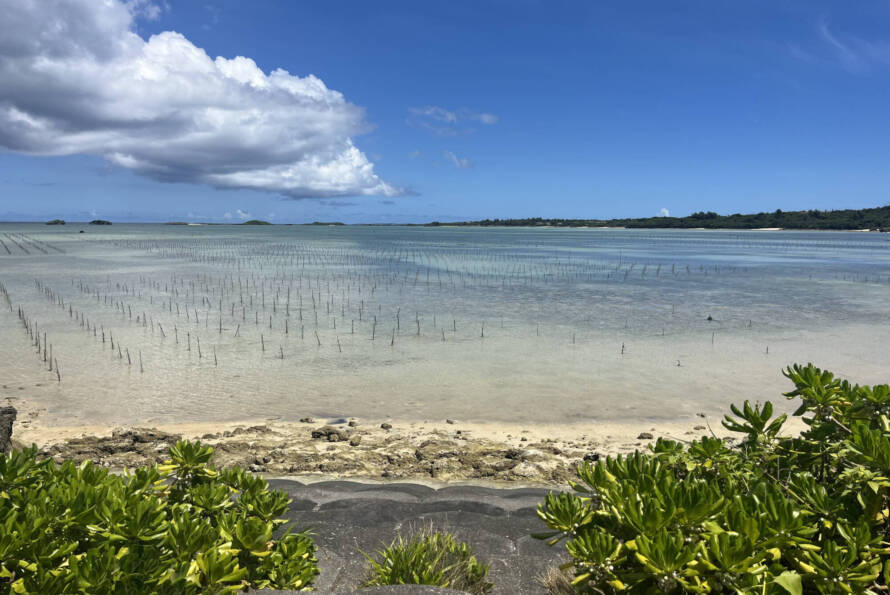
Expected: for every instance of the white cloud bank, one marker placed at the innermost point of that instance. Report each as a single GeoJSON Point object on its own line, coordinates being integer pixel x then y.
{"type": "Point", "coordinates": [76, 79]}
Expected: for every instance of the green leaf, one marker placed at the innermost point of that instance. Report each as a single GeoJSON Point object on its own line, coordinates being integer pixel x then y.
{"type": "Point", "coordinates": [791, 582]}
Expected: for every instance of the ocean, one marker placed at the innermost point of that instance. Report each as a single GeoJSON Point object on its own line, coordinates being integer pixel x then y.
{"type": "Point", "coordinates": [174, 323]}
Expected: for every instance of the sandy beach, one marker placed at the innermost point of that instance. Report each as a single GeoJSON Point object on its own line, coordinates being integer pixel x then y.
{"type": "Point", "coordinates": [434, 451]}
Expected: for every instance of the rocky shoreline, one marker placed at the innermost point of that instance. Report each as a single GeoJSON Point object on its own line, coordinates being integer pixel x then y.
{"type": "Point", "coordinates": [446, 451]}
{"type": "Point", "coordinates": [328, 450]}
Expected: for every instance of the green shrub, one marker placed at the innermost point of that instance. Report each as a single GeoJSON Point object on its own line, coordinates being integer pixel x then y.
{"type": "Point", "coordinates": [776, 515]}
{"type": "Point", "coordinates": [429, 558]}
{"type": "Point", "coordinates": [181, 527]}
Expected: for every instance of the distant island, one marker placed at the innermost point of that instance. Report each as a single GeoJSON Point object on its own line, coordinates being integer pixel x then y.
{"type": "Point", "coordinates": [256, 222]}
{"type": "Point", "coordinates": [100, 222]}
{"type": "Point", "coordinates": [875, 219]}
{"type": "Point", "coordinates": [56, 222]}
{"type": "Point", "coordinates": [327, 223]}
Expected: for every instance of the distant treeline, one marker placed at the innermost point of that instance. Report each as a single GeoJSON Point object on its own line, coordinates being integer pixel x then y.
{"type": "Point", "coordinates": [874, 219]}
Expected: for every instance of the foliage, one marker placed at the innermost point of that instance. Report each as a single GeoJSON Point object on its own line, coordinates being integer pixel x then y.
{"type": "Point", "coordinates": [777, 515]}
{"type": "Point", "coordinates": [429, 558]}
{"type": "Point", "coordinates": [181, 527]}
{"type": "Point", "coordinates": [876, 218]}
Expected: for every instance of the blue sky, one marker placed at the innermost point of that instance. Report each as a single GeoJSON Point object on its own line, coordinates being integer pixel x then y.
{"type": "Point", "coordinates": [458, 110]}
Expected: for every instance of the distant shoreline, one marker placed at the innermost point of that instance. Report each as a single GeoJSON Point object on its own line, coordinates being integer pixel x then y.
{"type": "Point", "coordinates": [472, 224]}
{"type": "Point", "coordinates": [874, 219]}
{"type": "Point", "coordinates": [854, 220]}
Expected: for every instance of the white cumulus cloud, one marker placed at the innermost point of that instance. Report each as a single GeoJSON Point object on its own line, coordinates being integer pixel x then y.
{"type": "Point", "coordinates": [76, 79]}
{"type": "Point", "coordinates": [664, 212]}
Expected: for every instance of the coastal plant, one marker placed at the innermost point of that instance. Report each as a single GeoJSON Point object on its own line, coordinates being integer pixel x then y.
{"type": "Point", "coordinates": [428, 558]}
{"type": "Point", "coordinates": [179, 527]}
{"type": "Point", "coordinates": [774, 514]}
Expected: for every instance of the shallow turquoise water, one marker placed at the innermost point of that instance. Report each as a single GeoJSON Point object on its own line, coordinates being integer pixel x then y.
{"type": "Point", "coordinates": [513, 325]}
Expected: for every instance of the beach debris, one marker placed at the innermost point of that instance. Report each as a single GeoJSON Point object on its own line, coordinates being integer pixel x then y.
{"type": "Point", "coordinates": [355, 440]}
{"type": "Point", "coordinates": [7, 418]}
{"type": "Point", "coordinates": [645, 436]}
{"type": "Point", "coordinates": [449, 421]}
{"type": "Point", "coordinates": [386, 426]}
{"type": "Point", "coordinates": [331, 434]}
{"type": "Point", "coordinates": [307, 420]}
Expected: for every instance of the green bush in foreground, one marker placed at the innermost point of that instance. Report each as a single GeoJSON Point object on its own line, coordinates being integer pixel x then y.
{"type": "Point", "coordinates": [181, 527]}
{"type": "Point", "coordinates": [429, 558]}
{"type": "Point", "coordinates": [777, 515]}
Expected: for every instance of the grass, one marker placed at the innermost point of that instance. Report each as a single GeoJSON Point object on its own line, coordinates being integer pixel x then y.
{"type": "Point", "coordinates": [428, 557]}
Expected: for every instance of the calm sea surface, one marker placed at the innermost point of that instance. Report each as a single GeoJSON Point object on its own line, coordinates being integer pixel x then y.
{"type": "Point", "coordinates": [221, 323]}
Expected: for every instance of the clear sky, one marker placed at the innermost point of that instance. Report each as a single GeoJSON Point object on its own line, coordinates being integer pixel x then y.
{"type": "Point", "coordinates": [418, 111]}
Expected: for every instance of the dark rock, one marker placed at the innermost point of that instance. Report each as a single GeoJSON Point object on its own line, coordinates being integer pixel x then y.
{"type": "Point", "coordinates": [331, 434]}
{"type": "Point", "coordinates": [514, 454]}
{"type": "Point", "coordinates": [644, 436]}
{"type": "Point", "coordinates": [699, 428]}
{"type": "Point", "coordinates": [143, 436]}
{"type": "Point", "coordinates": [124, 448]}
{"type": "Point", "coordinates": [449, 421]}
{"type": "Point", "coordinates": [436, 449]}
{"type": "Point", "coordinates": [355, 441]}
{"type": "Point", "coordinates": [352, 423]}
{"type": "Point", "coordinates": [7, 418]}
{"type": "Point", "coordinates": [386, 426]}
{"type": "Point", "coordinates": [307, 420]}
{"type": "Point", "coordinates": [592, 457]}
